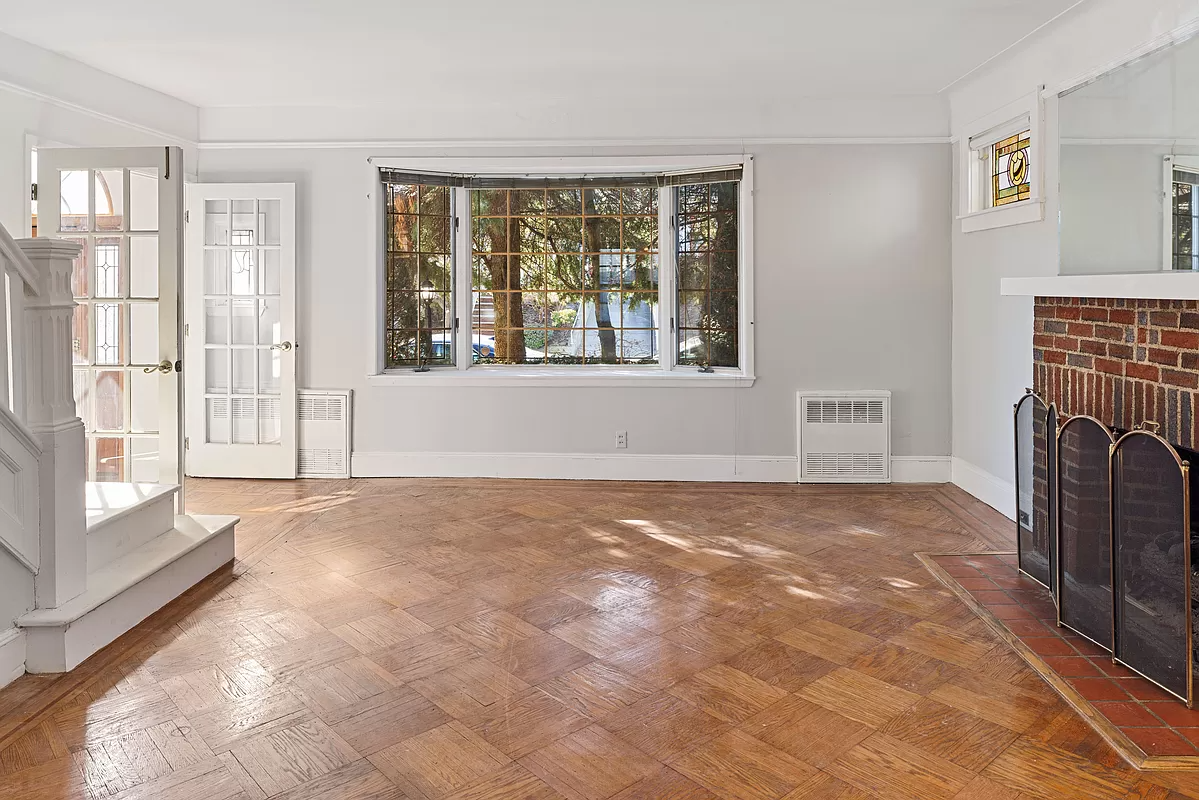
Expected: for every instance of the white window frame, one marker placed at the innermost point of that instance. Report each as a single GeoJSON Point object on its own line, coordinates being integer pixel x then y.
{"type": "Point", "coordinates": [464, 372]}
{"type": "Point", "coordinates": [976, 213]}
{"type": "Point", "coordinates": [1169, 164]}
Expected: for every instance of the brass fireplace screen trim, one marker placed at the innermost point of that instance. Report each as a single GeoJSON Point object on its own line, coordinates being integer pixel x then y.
{"type": "Point", "coordinates": [1053, 507]}
{"type": "Point", "coordinates": [1050, 412]}
{"type": "Point", "coordinates": [1060, 572]}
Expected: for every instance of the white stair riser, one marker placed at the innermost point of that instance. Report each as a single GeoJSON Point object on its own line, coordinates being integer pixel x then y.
{"type": "Point", "coordinates": [124, 535]}
{"type": "Point", "coordinates": [61, 648]}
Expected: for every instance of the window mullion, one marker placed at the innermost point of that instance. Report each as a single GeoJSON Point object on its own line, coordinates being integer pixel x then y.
{"type": "Point", "coordinates": [464, 336]}
{"type": "Point", "coordinates": [667, 272]}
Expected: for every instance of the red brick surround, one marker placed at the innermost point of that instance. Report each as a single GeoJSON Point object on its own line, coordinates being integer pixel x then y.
{"type": "Point", "coordinates": [1122, 361]}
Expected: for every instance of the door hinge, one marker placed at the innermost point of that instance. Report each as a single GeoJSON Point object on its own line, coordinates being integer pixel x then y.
{"type": "Point", "coordinates": [455, 324]}
{"type": "Point", "coordinates": [672, 324]}
{"type": "Point", "coordinates": [457, 222]}
{"type": "Point", "coordinates": [187, 216]}
{"type": "Point", "coordinates": [187, 443]}
{"type": "Point", "coordinates": [187, 329]}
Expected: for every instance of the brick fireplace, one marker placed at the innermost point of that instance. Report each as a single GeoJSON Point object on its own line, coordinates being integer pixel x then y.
{"type": "Point", "coordinates": [1123, 361]}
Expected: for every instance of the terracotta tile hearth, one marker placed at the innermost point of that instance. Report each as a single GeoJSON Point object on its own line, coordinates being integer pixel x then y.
{"type": "Point", "coordinates": [1148, 726]}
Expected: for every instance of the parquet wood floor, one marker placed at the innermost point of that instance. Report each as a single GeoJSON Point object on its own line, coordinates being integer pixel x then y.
{"type": "Point", "coordinates": [488, 640]}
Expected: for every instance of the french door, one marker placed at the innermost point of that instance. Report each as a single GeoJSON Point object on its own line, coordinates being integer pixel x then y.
{"type": "Point", "coordinates": [124, 207]}
{"type": "Point", "coordinates": [240, 330]}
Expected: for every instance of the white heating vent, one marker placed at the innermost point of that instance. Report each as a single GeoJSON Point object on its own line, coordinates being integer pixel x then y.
{"type": "Point", "coordinates": [324, 433]}
{"type": "Point", "coordinates": [844, 437]}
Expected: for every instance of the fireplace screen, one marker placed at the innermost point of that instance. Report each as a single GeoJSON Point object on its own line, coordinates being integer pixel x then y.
{"type": "Point", "coordinates": [1036, 426]}
{"type": "Point", "coordinates": [1084, 576]}
{"type": "Point", "coordinates": [1153, 630]}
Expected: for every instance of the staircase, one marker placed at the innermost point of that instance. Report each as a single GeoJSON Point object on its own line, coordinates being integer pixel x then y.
{"type": "Point", "coordinates": [80, 563]}
{"type": "Point", "coordinates": [140, 556]}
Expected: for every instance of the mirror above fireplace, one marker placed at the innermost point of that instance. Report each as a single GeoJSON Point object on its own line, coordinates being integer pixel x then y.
{"type": "Point", "coordinates": [1129, 167]}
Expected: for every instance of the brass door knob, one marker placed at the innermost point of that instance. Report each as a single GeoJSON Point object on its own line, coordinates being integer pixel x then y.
{"type": "Point", "coordinates": [165, 367]}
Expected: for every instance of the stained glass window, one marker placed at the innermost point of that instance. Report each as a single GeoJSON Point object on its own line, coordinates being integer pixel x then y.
{"type": "Point", "coordinates": [1011, 170]}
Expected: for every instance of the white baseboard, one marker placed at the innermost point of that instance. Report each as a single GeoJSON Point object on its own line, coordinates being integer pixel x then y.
{"type": "Point", "coordinates": [921, 469]}
{"type": "Point", "coordinates": [995, 492]}
{"type": "Point", "coordinates": [12, 655]}
{"type": "Point", "coordinates": [576, 466]}
{"type": "Point", "coordinates": [626, 467]}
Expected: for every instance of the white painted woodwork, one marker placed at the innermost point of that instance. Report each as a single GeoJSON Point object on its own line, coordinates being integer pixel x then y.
{"type": "Point", "coordinates": [57, 428]}
{"type": "Point", "coordinates": [19, 449]}
{"type": "Point", "coordinates": [230, 426]}
{"type": "Point", "coordinates": [126, 591]}
{"type": "Point", "coordinates": [19, 456]}
{"type": "Point", "coordinates": [1171, 285]}
{"type": "Point", "coordinates": [123, 516]}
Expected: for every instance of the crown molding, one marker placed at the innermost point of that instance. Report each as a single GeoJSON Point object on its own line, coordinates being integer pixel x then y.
{"type": "Point", "coordinates": [76, 108]}
{"type": "Point", "coordinates": [435, 144]}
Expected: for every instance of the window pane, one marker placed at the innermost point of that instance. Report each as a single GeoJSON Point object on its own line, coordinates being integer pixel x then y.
{"type": "Point", "coordinates": [549, 266]}
{"type": "Point", "coordinates": [73, 200]}
{"type": "Point", "coordinates": [1185, 211]}
{"type": "Point", "coordinates": [110, 199]}
{"type": "Point", "coordinates": [110, 459]}
{"type": "Point", "coordinates": [708, 274]}
{"type": "Point", "coordinates": [418, 307]}
{"type": "Point", "coordinates": [143, 199]}
{"type": "Point", "coordinates": [1011, 170]}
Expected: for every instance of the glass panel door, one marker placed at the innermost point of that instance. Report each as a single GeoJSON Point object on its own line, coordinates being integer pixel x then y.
{"type": "Point", "coordinates": [240, 330]}
{"type": "Point", "coordinates": [116, 204]}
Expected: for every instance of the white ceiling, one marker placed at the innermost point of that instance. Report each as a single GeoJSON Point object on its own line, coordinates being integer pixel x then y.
{"type": "Point", "coordinates": [446, 53]}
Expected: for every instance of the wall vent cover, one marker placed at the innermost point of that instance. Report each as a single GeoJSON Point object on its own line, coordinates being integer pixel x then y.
{"type": "Point", "coordinates": [844, 437]}
{"type": "Point", "coordinates": [323, 433]}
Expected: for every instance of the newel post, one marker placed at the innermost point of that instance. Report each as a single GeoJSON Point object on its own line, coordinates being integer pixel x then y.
{"type": "Point", "coordinates": [52, 417]}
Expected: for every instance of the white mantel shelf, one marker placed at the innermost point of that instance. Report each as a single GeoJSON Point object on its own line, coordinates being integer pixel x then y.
{"type": "Point", "coordinates": [1138, 286]}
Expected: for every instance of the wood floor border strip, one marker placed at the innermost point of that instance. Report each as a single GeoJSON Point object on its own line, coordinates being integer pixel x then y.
{"type": "Point", "coordinates": [1127, 749]}
{"type": "Point", "coordinates": [26, 716]}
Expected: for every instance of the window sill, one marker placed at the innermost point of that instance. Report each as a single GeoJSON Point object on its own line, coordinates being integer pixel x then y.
{"type": "Point", "coordinates": [1004, 216]}
{"type": "Point", "coordinates": [564, 377]}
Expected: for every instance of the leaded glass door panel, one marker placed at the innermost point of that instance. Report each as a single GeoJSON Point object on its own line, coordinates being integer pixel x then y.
{"type": "Point", "coordinates": [123, 206]}
{"type": "Point", "coordinates": [240, 330]}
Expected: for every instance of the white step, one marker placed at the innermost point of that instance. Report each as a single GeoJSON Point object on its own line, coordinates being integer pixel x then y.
{"type": "Point", "coordinates": [122, 517]}
{"type": "Point", "coordinates": [127, 590]}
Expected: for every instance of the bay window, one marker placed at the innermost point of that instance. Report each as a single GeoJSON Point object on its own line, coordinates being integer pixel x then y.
{"type": "Point", "coordinates": [632, 273]}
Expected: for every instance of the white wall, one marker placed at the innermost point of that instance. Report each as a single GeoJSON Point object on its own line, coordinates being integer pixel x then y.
{"type": "Point", "coordinates": [853, 291]}
{"type": "Point", "coordinates": [992, 335]}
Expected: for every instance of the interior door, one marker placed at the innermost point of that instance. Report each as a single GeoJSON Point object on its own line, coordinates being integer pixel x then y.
{"type": "Point", "coordinates": [240, 330]}
{"type": "Point", "coordinates": [125, 207]}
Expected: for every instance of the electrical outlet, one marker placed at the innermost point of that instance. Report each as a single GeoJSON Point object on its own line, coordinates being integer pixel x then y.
{"type": "Point", "coordinates": [622, 440]}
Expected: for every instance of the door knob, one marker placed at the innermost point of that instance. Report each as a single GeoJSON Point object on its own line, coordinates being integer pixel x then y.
{"type": "Point", "coordinates": [284, 346]}
{"type": "Point", "coordinates": [166, 367]}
